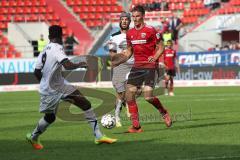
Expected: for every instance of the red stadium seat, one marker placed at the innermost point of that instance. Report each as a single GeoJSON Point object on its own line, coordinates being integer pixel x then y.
{"type": "Point", "coordinates": [3, 11]}
{"type": "Point", "coordinates": [20, 3]}
{"type": "Point", "coordinates": [19, 10]}
{"type": "Point", "coordinates": [34, 18]}
{"type": "Point", "coordinates": [91, 9]}
{"type": "Point", "coordinates": [34, 10]}
{"type": "Point", "coordinates": [11, 10]}
{"type": "Point", "coordinates": [76, 9]}
{"type": "Point", "coordinates": [2, 55]}
{"type": "Point", "coordinates": [4, 3]}
{"type": "Point", "coordinates": [70, 2]}
{"type": "Point", "coordinates": [12, 3]}
{"type": "Point", "coordinates": [42, 10]}
{"type": "Point", "coordinates": [28, 3]}
{"type": "Point", "coordinates": [2, 18]}
{"type": "Point", "coordinates": [18, 55]}
{"type": "Point", "coordinates": [49, 10]}
{"type": "Point", "coordinates": [83, 16]}
{"type": "Point", "coordinates": [18, 18]}
{"type": "Point", "coordinates": [49, 17]}
{"type": "Point", "coordinates": [26, 10]}
{"type": "Point", "coordinates": [56, 17]}
{"type": "Point", "coordinates": [9, 55]}
{"type": "Point", "coordinates": [180, 6]}
{"type": "Point", "coordinates": [42, 3]}
{"type": "Point", "coordinates": [100, 2]}
{"type": "Point", "coordinates": [99, 9]}
{"type": "Point", "coordinates": [107, 8]}
{"type": "Point", "coordinates": [3, 25]}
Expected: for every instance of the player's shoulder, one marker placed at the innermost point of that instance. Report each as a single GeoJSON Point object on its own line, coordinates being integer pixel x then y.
{"type": "Point", "coordinates": [150, 28]}
{"type": "Point", "coordinates": [132, 29]}
{"type": "Point", "coordinates": [56, 46]}
{"type": "Point", "coordinates": [116, 34]}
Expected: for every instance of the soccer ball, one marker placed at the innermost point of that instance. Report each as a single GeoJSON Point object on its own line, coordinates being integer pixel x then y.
{"type": "Point", "coordinates": [108, 121]}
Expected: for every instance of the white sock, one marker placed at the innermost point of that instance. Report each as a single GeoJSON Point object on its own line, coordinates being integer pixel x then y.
{"type": "Point", "coordinates": [91, 118]}
{"type": "Point", "coordinates": [40, 128]}
{"type": "Point", "coordinates": [118, 109]}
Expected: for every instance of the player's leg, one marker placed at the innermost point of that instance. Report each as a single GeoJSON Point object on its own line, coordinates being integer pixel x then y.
{"type": "Point", "coordinates": [171, 86]}
{"type": "Point", "coordinates": [166, 78]}
{"type": "Point", "coordinates": [80, 101]}
{"type": "Point", "coordinates": [149, 97]}
{"type": "Point", "coordinates": [135, 80]}
{"type": "Point", "coordinates": [133, 108]}
{"type": "Point", "coordinates": [173, 73]}
{"type": "Point", "coordinates": [120, 100]}
{"type": "Point", "coordinates": [48, 105]}
{"type": "Point", "coordinates": [42, 125]}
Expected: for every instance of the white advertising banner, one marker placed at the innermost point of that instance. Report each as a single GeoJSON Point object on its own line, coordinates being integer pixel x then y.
{"type": "Point", "coordinates": [17, 65]}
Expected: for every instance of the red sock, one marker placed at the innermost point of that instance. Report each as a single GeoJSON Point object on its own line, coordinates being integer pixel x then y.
{"type": "Point", "coordinates": [157, 104]}
{"type": "Point", "coordinates": [133, 109]}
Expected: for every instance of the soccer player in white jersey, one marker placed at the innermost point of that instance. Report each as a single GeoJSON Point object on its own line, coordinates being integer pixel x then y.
{"type": "Point", "coordinates": [53, 88]}
{"type": "Point", "coordinates": [117, 44]}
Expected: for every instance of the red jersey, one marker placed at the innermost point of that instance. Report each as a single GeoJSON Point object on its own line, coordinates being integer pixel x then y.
{"type": "Point", "coordinates": [143, 42]}
{"type": "Point", "coordinates": [169, 56]}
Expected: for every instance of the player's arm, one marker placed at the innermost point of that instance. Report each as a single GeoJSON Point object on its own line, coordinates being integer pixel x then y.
{"type": "Point", "coordinates": [67, 64]}
{"type": "Point", "coordinates": [159, 52]}
{"type": "Point", "coordinates": [120, 58]}
{"type": "Point", "coordinates": [39, 65]}
{"type": "Point", "coordinates": [112, 53]}
{"type": "Point", "coordinates": [38, 74]}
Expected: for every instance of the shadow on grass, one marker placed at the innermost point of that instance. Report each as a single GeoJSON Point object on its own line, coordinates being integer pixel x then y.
{"type": "Point", "coordinates": [193, 126]}
{"type": "Point", "coordinates": [147, 149]}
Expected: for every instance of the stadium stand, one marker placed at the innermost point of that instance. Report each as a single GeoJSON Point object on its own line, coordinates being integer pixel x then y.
{"type": "Point", "coordinates": [95, 13]}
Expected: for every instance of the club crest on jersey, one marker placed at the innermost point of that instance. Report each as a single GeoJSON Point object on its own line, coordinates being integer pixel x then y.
{"type": "Point", "coordinates": [143, 35]}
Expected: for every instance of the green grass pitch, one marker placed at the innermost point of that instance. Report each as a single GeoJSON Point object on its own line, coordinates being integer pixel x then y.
{"type": "Point", "coordinates": [207, 126]}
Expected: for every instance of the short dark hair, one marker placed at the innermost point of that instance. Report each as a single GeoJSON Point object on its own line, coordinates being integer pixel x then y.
{"type": "Point", "coordinates": [139, 8]}
{"type": "Point", "coordinates": [55, 31]}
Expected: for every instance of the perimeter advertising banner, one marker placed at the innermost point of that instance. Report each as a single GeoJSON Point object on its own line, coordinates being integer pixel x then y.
{"type": "Point", "coordinates": [194, 66]}
{"type": "Point", "coordinates": [199, 59]}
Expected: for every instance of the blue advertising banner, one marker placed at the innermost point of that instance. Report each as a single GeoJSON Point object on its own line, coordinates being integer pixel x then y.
{"type": "Point", "coordinates": [215, 58]}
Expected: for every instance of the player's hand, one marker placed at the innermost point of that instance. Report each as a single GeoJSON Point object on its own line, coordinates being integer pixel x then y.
{"type": "Point", "coordinates": [83, 65]}
{"type": "Point", "coordinates": [151, 59]}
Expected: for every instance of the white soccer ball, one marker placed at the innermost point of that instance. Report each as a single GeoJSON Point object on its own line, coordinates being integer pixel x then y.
{"type": "Point", "coordinates": [108, 121]}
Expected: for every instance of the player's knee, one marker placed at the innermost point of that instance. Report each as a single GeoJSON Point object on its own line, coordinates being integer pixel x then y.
{"type": "Point", "coordinates": [84, 104]}
{"type": "Point", "coordinates": [148, 99]}
{"type": "Point", "coordinates": [50, 117]}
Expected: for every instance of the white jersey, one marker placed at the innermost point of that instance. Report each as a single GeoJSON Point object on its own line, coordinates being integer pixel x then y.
{"type": "Point", "coordinates": [118, 43]}
{"type": "Point", "coordinates": [49, 61]}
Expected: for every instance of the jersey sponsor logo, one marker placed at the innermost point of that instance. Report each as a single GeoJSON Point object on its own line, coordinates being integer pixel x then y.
{"type": "Point", "coordinates": [169, 55]}
{"type": "Point", "coordinates": [139, 41]}
{"type": "Point", "coordinates": [143, 35]}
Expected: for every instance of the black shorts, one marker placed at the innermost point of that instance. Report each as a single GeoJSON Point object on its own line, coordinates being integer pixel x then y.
{"type": "Point", "coordinates": [171, 72]}
{"type": "Point", "coordinates": [138, 76]}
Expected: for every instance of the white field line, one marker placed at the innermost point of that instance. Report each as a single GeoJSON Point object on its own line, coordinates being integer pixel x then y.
{"type": "Point", "coordinates": [211, 157]}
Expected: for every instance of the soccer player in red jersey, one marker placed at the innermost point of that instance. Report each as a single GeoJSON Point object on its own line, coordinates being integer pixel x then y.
{"type": "Point", "coordinates": [145, 44]}
{"type": "Point", "coordinates": [170, 63]}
